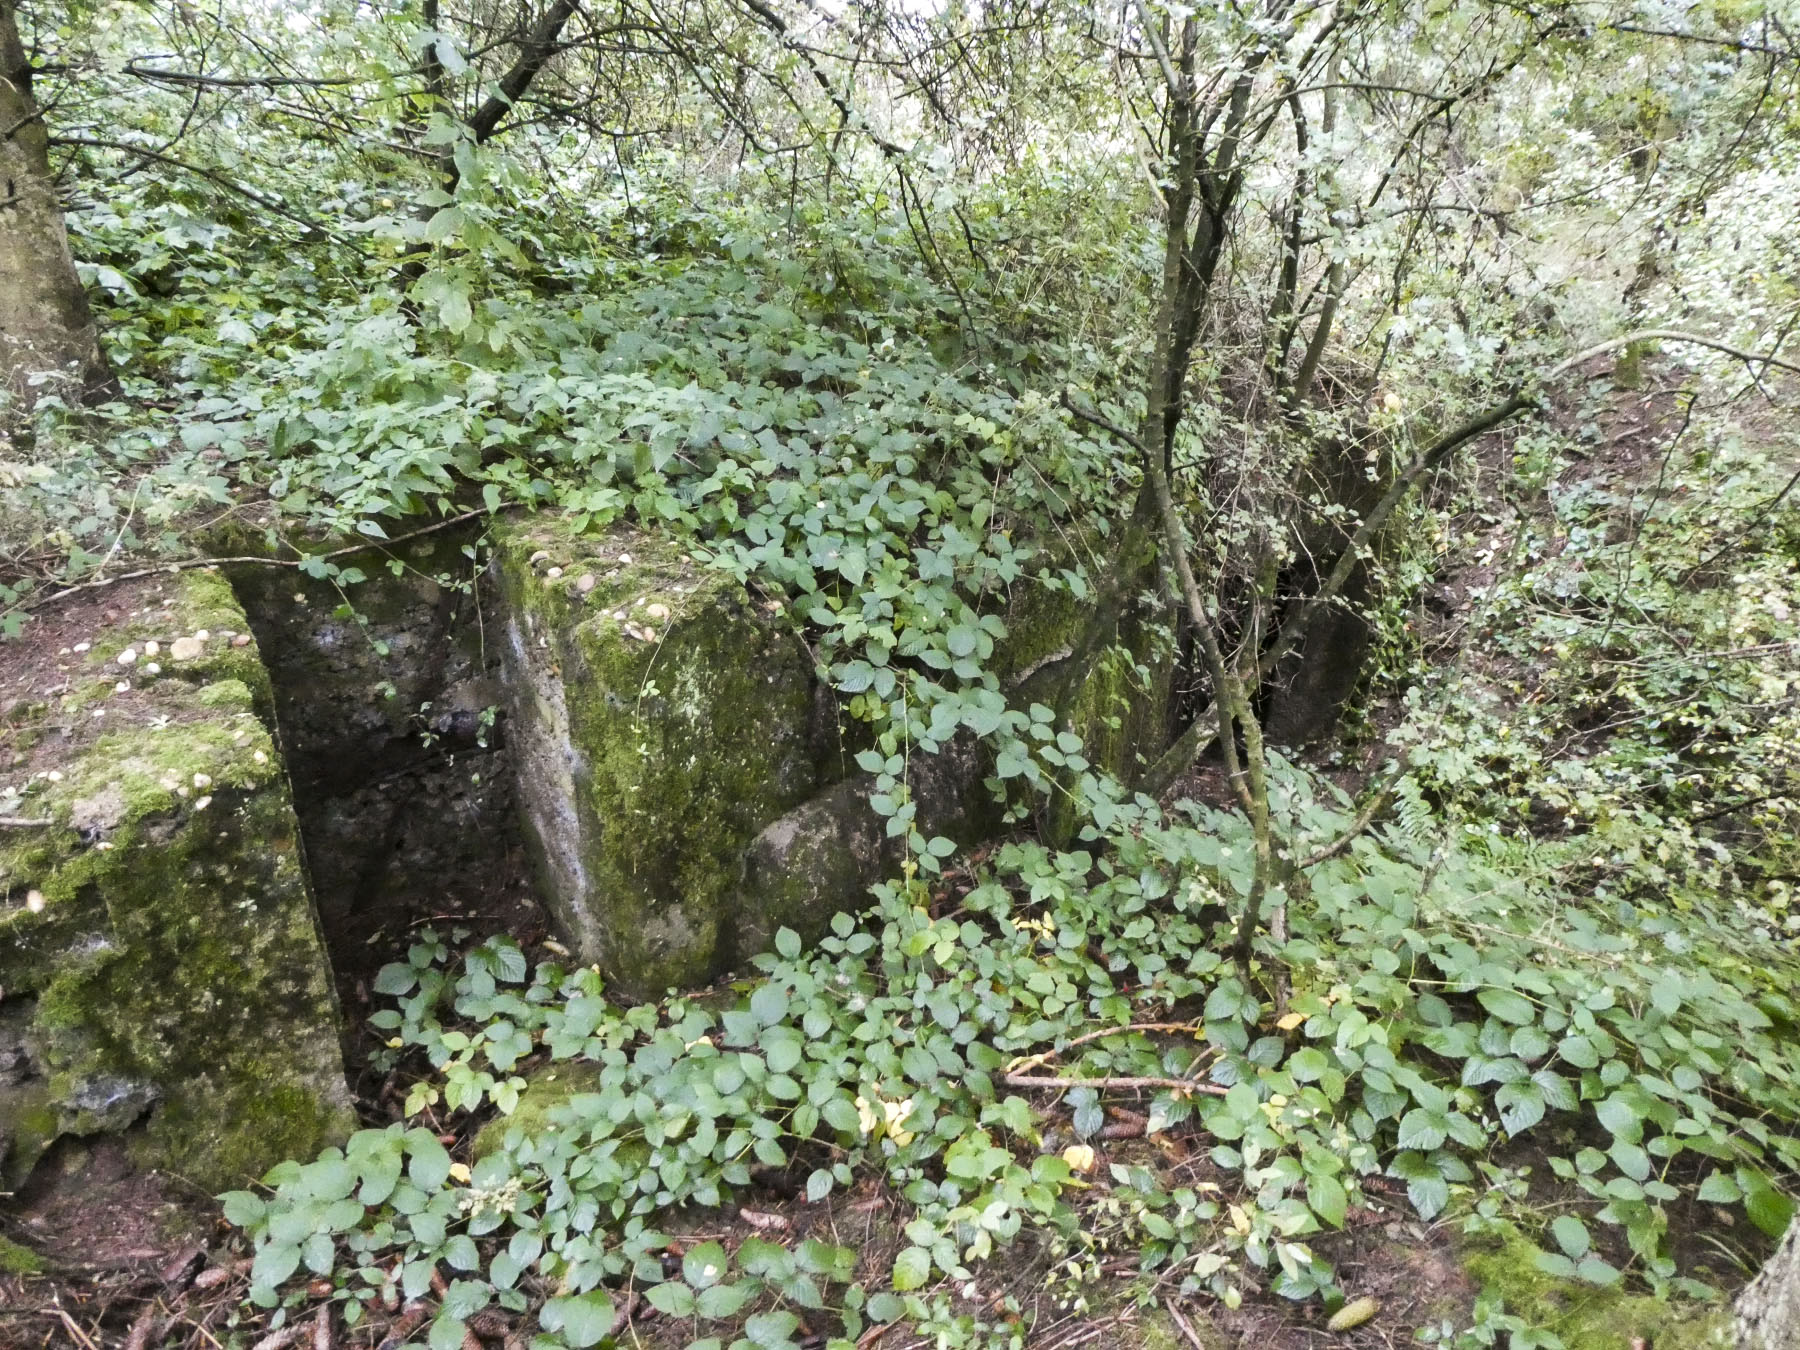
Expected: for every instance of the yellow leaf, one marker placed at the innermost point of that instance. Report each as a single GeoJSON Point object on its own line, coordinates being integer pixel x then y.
{"type": "Point", "coordinates": [1079, 1157]}
{"type": "Point", "coordinates": [460, 1172]}
{"type": "Point", "coordinates": [1291, 1021]}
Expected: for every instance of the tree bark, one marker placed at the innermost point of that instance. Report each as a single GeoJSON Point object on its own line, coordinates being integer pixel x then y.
{"type": "Point", "coordinates": [49, 343]}
{"type": "Point", "coordinates": [1767, 1314]}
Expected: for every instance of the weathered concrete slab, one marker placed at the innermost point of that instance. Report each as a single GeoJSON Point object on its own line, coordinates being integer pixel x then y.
{"type": "Point", "coordinates": [385, 696]}
{"type": "Point", "coordinates": [161, 967]}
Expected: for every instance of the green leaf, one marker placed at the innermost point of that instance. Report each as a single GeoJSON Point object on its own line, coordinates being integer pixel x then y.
{"type": "Point", "coordinates": [768, 1005]}
{"type": "Point", "coordinates": [912, 1268]}
{"type": "Point", "coordinates": [1325, 1196]}
{"type": "Point", "coordinates": [1423, 1130]}
{"type": "Point", "coordinates": [1571, 1235]}
{"type": "Point", "coordinates": [447, 1332]}
{"type": "Point", "coordinates": [275, 1262]}
{"type": "Point", "coordinates": [465, 1298]}
{"type": "Point", "coordinates": [584, 1320]}
{"type": "Point", "coordinates": [724, 1300]}
{"type": "Point", "coordinates": [771, 1330]}
{"type": "Point", "coordinates": [395, 978]}
{"type": "Point", "coordinates": [787, 942]}
{"type": "Point", "coordinates": [1308, 1065]}
{"type": "Point", "coordinates": [1508, 1006]}
{"type": "Point", "coordinates": [705, 1265]}
{"type": "Point", "coordinates": [1521, 1106]}
{"type": "Point", "coordinates": [429, 1165]}
{"type": "Point", "coordinates": [1720, 1189]}
{"type": "Point", "coordinates": [671, 1297]}
{"type": "Point", "coordinates": [319, 1253]}
{"type": "Point", "coordinates": [885, 1307]}
{"type": "Point", "coordinates": [242, 1208]}
{"type": "Point", "coordinates": [1767, 1207]}
{"type": "Point", "coordinates": [1579, 1051]}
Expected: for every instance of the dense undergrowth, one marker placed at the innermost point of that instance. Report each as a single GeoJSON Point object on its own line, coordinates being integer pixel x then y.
{"type": "Point", "coordinates": [1547, 993]}
{"type": "Point", "coordinates": [1440, 1006]}
{"type": "Point", "coordinates": [1542, 949]}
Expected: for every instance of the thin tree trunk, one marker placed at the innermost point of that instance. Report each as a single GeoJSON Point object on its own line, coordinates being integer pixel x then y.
{"type": "Point", "coordinates": [49, 343]}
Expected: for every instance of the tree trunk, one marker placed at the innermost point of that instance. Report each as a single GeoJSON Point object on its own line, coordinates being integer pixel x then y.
{"type": "Point", "coordinates": [1767, 1314]}
{"type": "Point", "coordinates": [49, 343]}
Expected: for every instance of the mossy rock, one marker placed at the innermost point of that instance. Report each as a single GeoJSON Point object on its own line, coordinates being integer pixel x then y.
{"type": "Point", "coordinates": [1585, 1316]}
{"type": "Point", "coordinates": [549, 1089]}
{"type": "Point", "coordinates": [660, 718]}
{"type": "Point", "coordinates": [160, 959]}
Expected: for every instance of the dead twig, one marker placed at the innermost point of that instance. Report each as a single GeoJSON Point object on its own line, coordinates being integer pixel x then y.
{"type": "Point", "coordinates": [76, 1331]}
{"type": "Point", "coordinates": [280, 1340]}
{"type": "Point", "coordinates": [1186, 1327]}
{"type": "Point", "coordinates": [627, 1309]}
{"type": "Point", "coordinates": [1032, 1061]}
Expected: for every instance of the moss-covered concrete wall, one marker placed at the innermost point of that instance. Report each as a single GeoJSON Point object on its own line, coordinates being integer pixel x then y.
{"type": "Point", "coordinates": [161, 967]}
{"type": "Point", "coordinates": [385, 695]}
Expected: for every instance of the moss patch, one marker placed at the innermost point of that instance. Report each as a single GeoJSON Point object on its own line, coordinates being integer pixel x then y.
{"type": "Point", "coordinates": [548, 1090]}
{"type": "Point", "coordinates": [1586, 1317]}
{"type": "Point", "coordinates": [18, 1260]}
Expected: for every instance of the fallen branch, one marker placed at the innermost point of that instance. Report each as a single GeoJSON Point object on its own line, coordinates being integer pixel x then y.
{"type": "Point", "coordinates": [24, 822]}
{"type": "Point", "coordinates": [1121, 1084]}
{"type": "Point", "coordinates": [1329, 851]}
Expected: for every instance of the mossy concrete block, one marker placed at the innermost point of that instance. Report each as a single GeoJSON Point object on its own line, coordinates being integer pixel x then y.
{"type": "Point", "coordinates": [684, 787]}
{"type": "Point", "coordinates": [1103, 659]}
{"type": "Point", "coordinates": [811, 863]}
{"type": "Point", "coordinates": [660, 719]}
{"type": "Point", "coordinates": [161, 967]}
{"type": "Point", "coordinates": [823, 857]}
